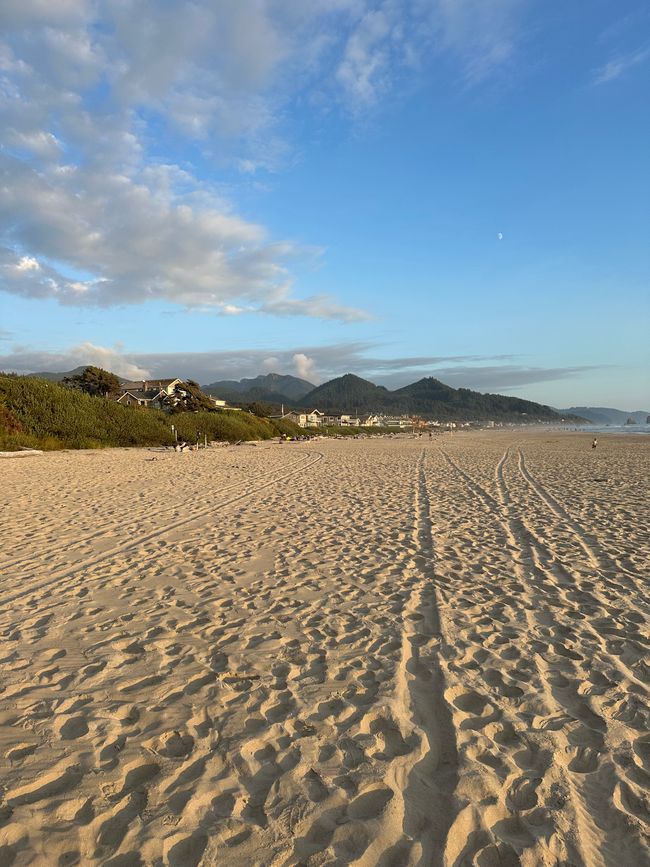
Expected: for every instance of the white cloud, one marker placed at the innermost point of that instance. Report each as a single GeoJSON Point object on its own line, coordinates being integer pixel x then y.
{"type": "Point", "coordinates": [137, 238]}
{"type": "Point", "coordinates": [364, 69]}
{"type": "Point", "coordinates": [304, 366]}
{"type": "Point", "coordinates": [27, 263]}
{"type": "Point", "coordinates": [271, 364]}
{"type": "Point", "coordinates": [38, 142]}
{"type": "Point", "coordinates": [86, 87]}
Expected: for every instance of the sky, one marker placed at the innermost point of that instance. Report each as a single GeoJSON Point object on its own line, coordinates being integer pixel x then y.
{"type": "Point", "coordinates": [397, 188]}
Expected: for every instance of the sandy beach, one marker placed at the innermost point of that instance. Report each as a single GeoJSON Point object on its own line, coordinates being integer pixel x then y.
{"type": "Point", "coordinates": [386, 652]}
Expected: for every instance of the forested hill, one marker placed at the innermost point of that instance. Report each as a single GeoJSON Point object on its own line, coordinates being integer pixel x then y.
{"type": "Point", "coordinates": [428, 397]}
{"type": "Point", "coordinates": [347, 393]}
{"type": "Point", "coordinates": [272, 387]}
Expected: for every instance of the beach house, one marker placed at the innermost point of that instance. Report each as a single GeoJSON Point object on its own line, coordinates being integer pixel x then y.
{"type": "Point", "coordinates": [146, 392]}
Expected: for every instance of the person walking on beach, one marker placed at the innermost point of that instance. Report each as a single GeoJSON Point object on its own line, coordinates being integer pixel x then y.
{"type": "Point", "coordinates": [594, 443]}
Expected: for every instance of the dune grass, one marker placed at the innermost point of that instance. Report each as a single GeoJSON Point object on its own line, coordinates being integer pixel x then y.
{"type": "Point", "coordinates": [36, 413]}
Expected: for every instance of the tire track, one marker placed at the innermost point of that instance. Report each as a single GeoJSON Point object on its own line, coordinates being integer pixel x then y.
{"type": "Point", "coordinates": [107, 528]}
{"type": "Point", "coordinates": [588, 839]}
{"type": "Point", "coordinates": [588, 545]}
{"type": "Point", "coordinates": [430, 782]}
{"type": "Point", "coordinates": [502, 492]}
{"type": "Point", "coordinates": [475, 487]}
{"type": "Point", "coordinates": [596, 557]}
{"type": "Point", "coordinates": [67, 572]}
{"type": "Point", "coordinates": [601, 826]}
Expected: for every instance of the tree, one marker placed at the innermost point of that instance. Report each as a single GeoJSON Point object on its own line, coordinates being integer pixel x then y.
{"type": "Point", "coordinates": [94, 380]}
{"type": "Point", "coordinates": [260, 409]}
{"type": "Point", "coordinates": [188, 397]}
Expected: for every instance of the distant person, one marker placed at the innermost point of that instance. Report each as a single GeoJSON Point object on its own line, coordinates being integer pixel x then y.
{"type": "Point", "coordinates": [594, 443]}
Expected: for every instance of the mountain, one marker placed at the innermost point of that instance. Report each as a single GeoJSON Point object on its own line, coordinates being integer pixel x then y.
{"type": "Point", "coordinates": [347, 393]}
{"type": "Point", "coordinates": [428, 397]}
{"type": "Point", "coordinates": [61, 375]}
{"type": "Point", "coordinates": [606, 415]}
{"type": "Point", "coordinates": [272, 387]}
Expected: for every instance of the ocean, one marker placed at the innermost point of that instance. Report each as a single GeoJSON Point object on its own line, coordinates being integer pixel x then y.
{"type": "Point", "coordinates": [617, 429]}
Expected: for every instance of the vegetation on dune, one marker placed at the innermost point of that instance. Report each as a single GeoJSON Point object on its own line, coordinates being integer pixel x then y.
{"type": "Point", "coordinates": [36, 413]}
{"type": "Point", "coordinates": [229, 426]}
{"type": "Point", "coordinates": [351, 431]}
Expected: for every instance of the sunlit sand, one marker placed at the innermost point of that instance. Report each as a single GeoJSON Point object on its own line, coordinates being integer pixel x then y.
{"type": "Point", "coordinates": [385, 652]}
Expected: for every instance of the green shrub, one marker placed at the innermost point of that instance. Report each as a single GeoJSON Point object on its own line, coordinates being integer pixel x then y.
{"type": "Point", "coordinates": [49, 414]}
{"type": "Point", "coordinates": [38, 413]}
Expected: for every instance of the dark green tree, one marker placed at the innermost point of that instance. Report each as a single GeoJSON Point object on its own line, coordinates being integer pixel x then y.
{"type": "Point", "coordinates": [188, 397]}
{"type": "Point", "coordinates": [94, 380]}
{"type": "Point", "coordinates": [260, 409]}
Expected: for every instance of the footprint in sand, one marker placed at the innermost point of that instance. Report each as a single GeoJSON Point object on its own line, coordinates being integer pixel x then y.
{"type": "Point", "coordinates": [172, 745]}
{"type": "Point", "coordinates": [316, 789]}
{"type": "Point", "coordinates": [20, 751]}
{"type": "Point", "coordinates": [371, 803]}
{"type": "Point", "coordinates": [185, 850]}
{"type": "Point", "coordinates": [71, 728]}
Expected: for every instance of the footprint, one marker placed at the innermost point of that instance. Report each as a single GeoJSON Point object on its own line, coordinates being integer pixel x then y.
{"type": "Point", "coordinates": [389, 739]}
{"type": "Point", "coordinates": [136, 774]}
{"type": "Point", "coordinates": [316, 789]}
{"type": "Point", "coordinates": [20, 751]}
{"type": "Point", "coordinates": [370, 804]}
{"type": "Point", "coordinates": [522, 793]}
{"type": "Point", "coordinates": [71, 728]}
{"type": "Point", "coordinates": [185, 850]}
{"type": "Point", "coordinates": [585, 761]}
{"type": "Point", "coordinates": [172, 745]}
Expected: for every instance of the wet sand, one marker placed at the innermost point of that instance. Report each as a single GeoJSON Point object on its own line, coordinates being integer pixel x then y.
{"type": "Point", "coordinates": [392, 652]}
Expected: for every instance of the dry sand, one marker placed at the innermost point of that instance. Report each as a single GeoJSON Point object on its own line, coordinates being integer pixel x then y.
{"type": "Point", "coordinates": [394, 652]}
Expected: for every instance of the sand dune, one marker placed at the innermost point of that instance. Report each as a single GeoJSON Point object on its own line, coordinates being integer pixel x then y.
{"type": "Point", "coordinates": [395, 652]}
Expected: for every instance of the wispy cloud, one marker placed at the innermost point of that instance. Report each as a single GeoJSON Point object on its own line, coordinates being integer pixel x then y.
{"type": "Point", "coordinates": [494, 378]}
{"type": "Point", "coordinates": [482, 36]}
{"type": "Point", "coordinates": [619, 66]}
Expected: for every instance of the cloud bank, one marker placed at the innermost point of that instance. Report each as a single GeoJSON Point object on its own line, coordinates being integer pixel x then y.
{"type": "Point", "coordinates": [313, 363]}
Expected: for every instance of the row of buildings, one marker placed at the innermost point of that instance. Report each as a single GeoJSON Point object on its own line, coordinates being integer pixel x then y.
{"type": "Point", "coordinates": [315, 419]}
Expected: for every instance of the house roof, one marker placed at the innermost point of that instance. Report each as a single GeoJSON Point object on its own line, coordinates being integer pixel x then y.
{"type": "Point", "coordinates": [138, 384]}
{"type": "Point", "coordinates": [141, 394]}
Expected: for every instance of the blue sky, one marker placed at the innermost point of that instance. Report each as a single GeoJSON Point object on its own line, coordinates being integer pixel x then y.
{"type": "Point", "coordinates": [455, 188]}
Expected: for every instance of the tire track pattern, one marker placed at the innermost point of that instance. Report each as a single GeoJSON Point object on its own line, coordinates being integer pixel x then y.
{"type": "Point", "coordinates": [428, 781]}
{"type": "Point", "coordinates": [557, 660]}
{"type": "Point", "coordinates": [208, 508]}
